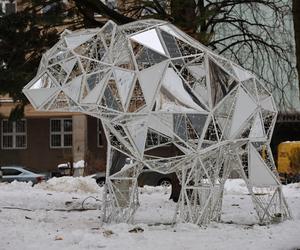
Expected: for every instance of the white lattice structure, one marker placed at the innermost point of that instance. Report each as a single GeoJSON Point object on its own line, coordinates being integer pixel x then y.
{"type": "Point", "coordinates": [154, 87]}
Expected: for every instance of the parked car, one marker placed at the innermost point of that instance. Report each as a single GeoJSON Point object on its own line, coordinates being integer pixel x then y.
{"type": "Point", "coordinates": [147, 177]}
{"type": "Point", "coordinates": [99, 177]}
{"type": "Point", "coordinates": [19, 173]}
{"type": "Point", "coordinates": [152, 178]}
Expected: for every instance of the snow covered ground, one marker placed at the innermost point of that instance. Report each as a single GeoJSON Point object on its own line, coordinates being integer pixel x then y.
{"type": "Point", "coordinates": [50, 216]}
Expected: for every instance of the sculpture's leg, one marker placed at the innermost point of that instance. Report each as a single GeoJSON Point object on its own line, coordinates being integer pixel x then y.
{"type": "Point", "coordinates": [120, 192]}
{"type": "Point", "coordinates": [269, 202]}
{"type": "Point", "coordinates": [201, 195]}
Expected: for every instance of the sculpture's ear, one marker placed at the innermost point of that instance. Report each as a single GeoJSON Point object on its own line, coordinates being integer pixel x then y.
{"type": "Point", "coordinates": [110, 22]}
{"type": "Point", "coordinates": [40, 89]}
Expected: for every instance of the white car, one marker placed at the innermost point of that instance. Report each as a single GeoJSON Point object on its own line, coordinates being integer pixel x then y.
{"type": "Point", "coordinates": [19, 173]}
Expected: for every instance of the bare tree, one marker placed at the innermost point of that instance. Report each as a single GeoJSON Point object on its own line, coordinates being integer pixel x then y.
{"type": "Point", "coordinates": [257, 34]}
{"type": "Point", "coordinates": [296, 19]}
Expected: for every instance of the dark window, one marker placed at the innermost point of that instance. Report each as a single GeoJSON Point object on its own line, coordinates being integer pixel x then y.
{"type": "Point", "coordinates": [61, 133]}
{"type": "Point", "coordinates": [14, 134]}
{"type": "Point", "coordinates": [10, 172]}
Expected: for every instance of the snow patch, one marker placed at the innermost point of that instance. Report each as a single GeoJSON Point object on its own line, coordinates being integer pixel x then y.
{"type": "Point", "coordinates": [17, 185]}
{"type": "Point", "coordinates": [150, 189]}
{"type": "Point", "coordinates": [49, 219]}
{"type": "Point", "coordinates": [235, 187]}
{"type": "Point", "coordinates": [71, 184]}
{"type": "Point", "coordinates": [293, 185]}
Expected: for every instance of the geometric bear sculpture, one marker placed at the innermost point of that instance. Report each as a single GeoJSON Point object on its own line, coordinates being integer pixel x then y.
{"type": "Point", "coordinates": [168, 103]}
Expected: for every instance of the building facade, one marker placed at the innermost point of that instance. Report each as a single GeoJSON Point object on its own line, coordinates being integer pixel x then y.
{"type": "Point", "coordinates": [41, 141]}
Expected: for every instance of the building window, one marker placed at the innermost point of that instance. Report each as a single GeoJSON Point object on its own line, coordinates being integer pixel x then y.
{"type": "Point", "coordinates": [99, 134]}
{"type": "Point", "coordinates": [61, 133]}
{"type": "Point", "coordinates": [14, 134]}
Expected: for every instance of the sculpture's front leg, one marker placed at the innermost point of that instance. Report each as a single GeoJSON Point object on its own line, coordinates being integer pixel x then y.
{"type": "Point", "coordinates": [121, 189]}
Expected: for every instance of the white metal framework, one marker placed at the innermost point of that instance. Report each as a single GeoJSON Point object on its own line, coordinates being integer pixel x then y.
{"type": "Point", "coordinates": [149, 81]}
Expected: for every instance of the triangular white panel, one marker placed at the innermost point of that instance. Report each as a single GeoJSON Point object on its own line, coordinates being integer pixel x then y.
{"type": "Point", "coordinates": [172, 107]}
{"type": "Point", "coordinates": [169, 30]}
{"type": "Point", "coordinates": [75, 41]}
{"type": "Point", "coordinates": [242, 74]}
{"type": "Point", "coordinates": [262, 92]}
{"type": "Point", "coordinates": [197, 71]}
{"type": "Point", "coordinates": [124, 80]}
{"type": "Point", "coordinates": [69, 65]}
{"type": "Point", "coordinates": [165, 126]}
{"type": "Point", "coordinates": [198, 122]}
{"type": "Point", "coordinates": [150, 39]}
{"type": "Point", "coordinates": [244, 107]}
{"type": "Point", "coordinates": [202, 91]}
{"type": "Point", "coordinates": [44, 81]}
{"type": "Point", "coordinates": [149, 80]}
{"type": "Point", "coordinates": [72, 89]}
{"type": "Point", "coordinates": [250, 87]}
{"type": "Point", "coordinates": [173, 84]}
{"type": "Point", "coordinates": [187, 39]}
{"type": "Point", "coordinates": [39, 96]}
{"type": "Point", "coordinates": [259, 173]}
{"type": "Point", "coordinates": [138, 132]}
{"type": "Point", "coordinates": [95, 94]}
{"type": "Point", "coordinates": [267, 104]}
{"type": "Point", "coordinates": [257, 128]}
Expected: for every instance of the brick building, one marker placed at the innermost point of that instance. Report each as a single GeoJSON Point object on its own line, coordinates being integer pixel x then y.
{"type": "Point", "coordinates": [41, 141]}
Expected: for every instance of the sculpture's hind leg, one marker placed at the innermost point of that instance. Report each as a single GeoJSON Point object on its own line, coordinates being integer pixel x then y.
{"type": "Point", "coordinates": [268, 200]}
{"type": "Point", "coordinates": [202, 181]}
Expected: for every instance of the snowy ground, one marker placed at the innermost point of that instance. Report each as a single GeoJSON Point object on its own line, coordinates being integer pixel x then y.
{"type": "Point", "coordinates": [49, 216]}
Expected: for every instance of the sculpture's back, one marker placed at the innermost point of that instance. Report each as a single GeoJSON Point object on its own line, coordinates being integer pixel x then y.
{"type": "Point", "coordinates": [154, 87]}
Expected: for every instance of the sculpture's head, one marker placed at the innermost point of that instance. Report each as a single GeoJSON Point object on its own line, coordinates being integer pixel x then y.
{"type": "Point", "coordinates": [149, 78]}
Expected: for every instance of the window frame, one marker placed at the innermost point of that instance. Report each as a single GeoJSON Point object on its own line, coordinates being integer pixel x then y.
{"type": "Point", "coordinates": [62, 133]}
{"type": "Point", "coordinates": [14, 135]}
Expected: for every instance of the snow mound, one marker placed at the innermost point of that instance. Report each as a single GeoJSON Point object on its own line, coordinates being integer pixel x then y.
{"type": "Point", "coordinates": [17, 185]}
{"type": "Point", "coordinates": [293, 185]}
{"type": "Point", "coordinates": [292, 190]}
{"type": "Point", "coordinates": [71, 185]}
{"type": "Point", "coordinates": [150, 189]}
{"type": "Point", "coordinates": [235, 187]}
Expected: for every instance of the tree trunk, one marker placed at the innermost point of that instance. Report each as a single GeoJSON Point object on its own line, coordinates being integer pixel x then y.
{"type": "Point", "coordinates": [184, 15]}
{"type": "Point", "coordinates": [296, 18]}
